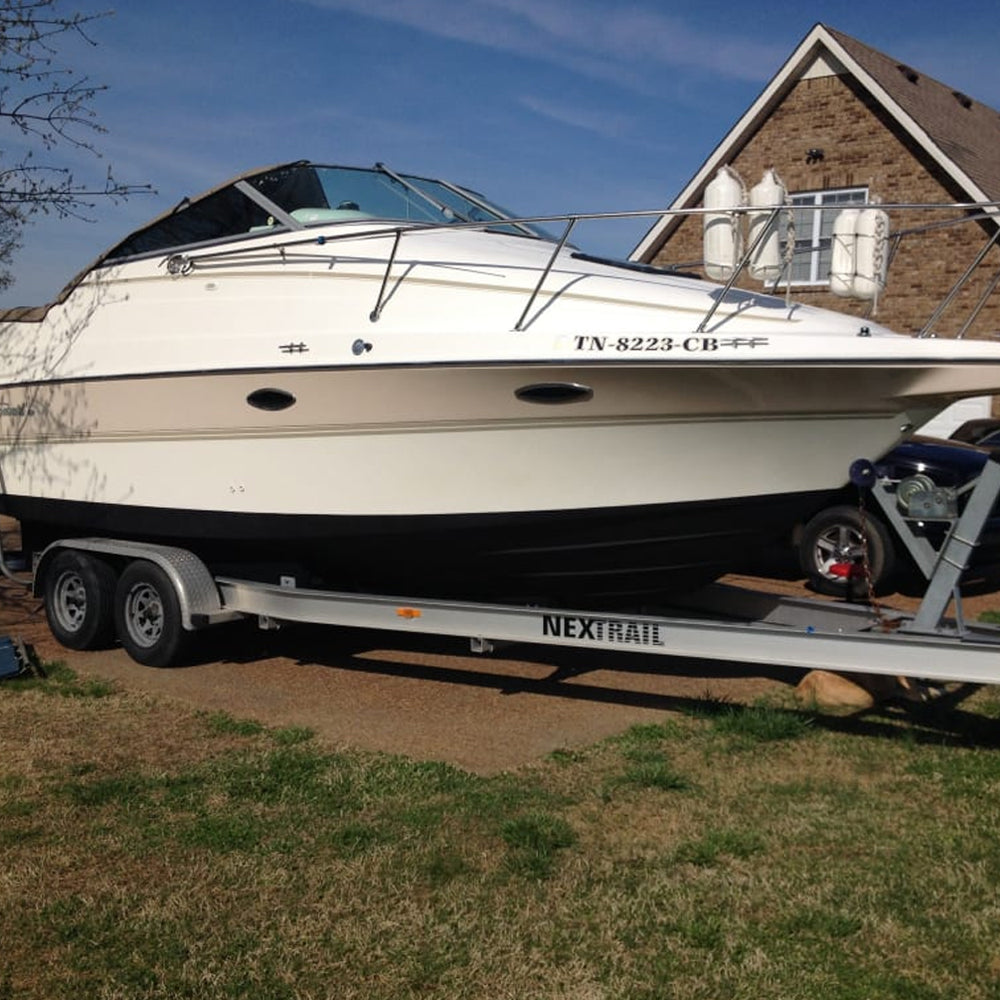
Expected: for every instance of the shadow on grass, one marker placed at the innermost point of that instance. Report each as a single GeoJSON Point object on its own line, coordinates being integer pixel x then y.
{"type": "Point", "coordinates": [515, 670]}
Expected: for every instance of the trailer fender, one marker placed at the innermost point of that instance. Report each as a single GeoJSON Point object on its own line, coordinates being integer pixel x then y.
{"type": "Point", "coordinates": [200, 601]}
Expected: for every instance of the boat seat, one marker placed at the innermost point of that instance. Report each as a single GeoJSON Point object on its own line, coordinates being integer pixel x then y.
{"type": "Point", "coordinates": [317, 216]}
{"type": "Point", "coordinates": [311, 216]}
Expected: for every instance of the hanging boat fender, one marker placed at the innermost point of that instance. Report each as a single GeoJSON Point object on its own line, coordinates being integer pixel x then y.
{"type": "Point", "coordinates": [768, 194]}
{"type": "Point", "coordinates": [723, 236]}
{"type": "Point", "coordinates": [871, 259]}
{"type": "Point", "coordinates": [843, 247]}
{"type": "Point", "coordinates": [860, 253]}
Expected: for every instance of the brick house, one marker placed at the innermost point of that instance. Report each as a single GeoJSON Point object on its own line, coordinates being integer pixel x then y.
{"type": "Point", "coordinates": [842, 123]}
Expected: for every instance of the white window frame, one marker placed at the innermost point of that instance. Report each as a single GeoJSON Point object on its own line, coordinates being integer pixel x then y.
{"type": "Point", "coordinates": [809, 239]}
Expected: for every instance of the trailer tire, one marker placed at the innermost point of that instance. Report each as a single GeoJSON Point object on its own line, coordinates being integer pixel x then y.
{"type": "Point", "coordinates": [148, 615]}
{"type": "Point", "coordinates": [79, 592]}
{"type": "Point", "coordinates": [836, 535]}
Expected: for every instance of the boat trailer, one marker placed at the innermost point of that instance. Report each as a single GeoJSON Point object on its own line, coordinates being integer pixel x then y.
{"type": "Point", "coordinates": [162, 594]}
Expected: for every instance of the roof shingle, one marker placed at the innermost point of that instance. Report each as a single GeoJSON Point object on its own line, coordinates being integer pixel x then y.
{"type": "Point", "coordinates": [963, 129]}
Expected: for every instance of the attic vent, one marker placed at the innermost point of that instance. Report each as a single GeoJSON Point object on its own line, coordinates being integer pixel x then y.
{"type": "Point", "coordinates": [911, 74]}
{"type": "Point", "coordinates": [962, 99]}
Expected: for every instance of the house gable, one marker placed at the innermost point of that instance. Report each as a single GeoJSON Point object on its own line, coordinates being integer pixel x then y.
{"type": "Point", "coordinates": [842, 117]}
{"type": "Point", "coordinates": [964, 146]}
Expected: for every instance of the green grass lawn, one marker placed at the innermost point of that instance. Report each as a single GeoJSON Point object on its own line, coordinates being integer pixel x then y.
{"type": "Point", "coordinates": [151, 852]}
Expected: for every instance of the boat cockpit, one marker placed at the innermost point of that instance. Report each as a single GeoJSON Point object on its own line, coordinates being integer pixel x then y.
{"type": "Point", "coordinates": [299, 195]}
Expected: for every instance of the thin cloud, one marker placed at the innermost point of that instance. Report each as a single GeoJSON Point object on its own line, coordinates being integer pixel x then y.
{"type": "Point", "coordinates": [609, 125]}
{"type": "Point", "coordinates": [579, 35]}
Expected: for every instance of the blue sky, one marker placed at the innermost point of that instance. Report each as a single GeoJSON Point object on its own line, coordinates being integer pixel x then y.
{"type": "Point", "coordinates": [545, 106]}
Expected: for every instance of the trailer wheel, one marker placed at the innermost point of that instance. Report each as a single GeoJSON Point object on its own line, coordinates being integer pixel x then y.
{"type": "Point", "coordinates": [79, 600]}
{"type": "Point", "coordinates": [148, 615]}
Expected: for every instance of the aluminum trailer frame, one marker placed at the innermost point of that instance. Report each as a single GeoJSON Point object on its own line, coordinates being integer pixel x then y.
{"type": "Point", "coordinates": [723, 623]}
{"type": "Point", "coordinates": [717, 623]}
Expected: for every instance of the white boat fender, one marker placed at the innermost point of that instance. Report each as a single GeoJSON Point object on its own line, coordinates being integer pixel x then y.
{"type": "Point", "coordinates": [860, 259]}
{"type": "Point", "coordinates": [871, 260]}
{"type": "Point", "coordinates": [843, 249]}
{"type": "Point", "coordinates": [723, 236]}
{"type": "Point", "coordinates": [768, 194]}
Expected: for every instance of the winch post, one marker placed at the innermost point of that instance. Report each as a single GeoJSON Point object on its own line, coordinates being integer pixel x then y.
{"type": "Point", "coordinates": [943, 568]}
{"type": "Point", "coordinates": [924, 555]}
{"type": "Point", "coordinates": [957, 550]}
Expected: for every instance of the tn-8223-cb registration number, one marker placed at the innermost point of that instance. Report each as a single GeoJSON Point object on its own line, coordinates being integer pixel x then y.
{"type": "Point", "coordinates": [664, 345]}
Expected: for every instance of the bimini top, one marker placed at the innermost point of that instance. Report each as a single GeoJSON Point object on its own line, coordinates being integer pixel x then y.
{"type": "Point", "coordinates": [298, 195]}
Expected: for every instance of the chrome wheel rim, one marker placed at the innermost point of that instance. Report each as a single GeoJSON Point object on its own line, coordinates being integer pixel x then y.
{"type": "Point", "coordinates": [144, 615]}
{"type": "Point", "coordinates": [70, 603]}
{"type": "Point", "coordinates": [838, 544]}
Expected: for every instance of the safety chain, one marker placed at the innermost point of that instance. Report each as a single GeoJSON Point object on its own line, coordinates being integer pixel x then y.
{"type": "Point", "coordinates": [883, 621]}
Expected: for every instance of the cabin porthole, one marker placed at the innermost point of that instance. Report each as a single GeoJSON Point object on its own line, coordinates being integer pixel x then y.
{"type": "Point", "coordinates": [554, 393]}
{"type": "Point", "coordinates": [271, 400]}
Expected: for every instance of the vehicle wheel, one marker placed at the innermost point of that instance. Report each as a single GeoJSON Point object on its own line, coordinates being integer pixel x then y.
{"type": "Point", "coordinates": [79, 600]}
{"type": "Point", "coordinates": [148, 615]}
{"type": "Point", "coordinates": [833, 539]}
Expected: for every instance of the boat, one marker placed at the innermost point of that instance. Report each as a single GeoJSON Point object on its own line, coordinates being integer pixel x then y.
{"type": "Point", "coordinates": [382, 382]}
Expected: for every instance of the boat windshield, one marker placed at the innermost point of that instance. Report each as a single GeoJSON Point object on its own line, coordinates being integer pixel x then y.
{"type": "Point", "coordinates": [300, 195]}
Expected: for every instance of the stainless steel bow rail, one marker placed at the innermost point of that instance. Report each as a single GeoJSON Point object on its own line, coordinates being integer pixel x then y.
{"type": "Point", "coordinates": [321, 249]}
{"type": "Point", "coordinates": [170, 593]}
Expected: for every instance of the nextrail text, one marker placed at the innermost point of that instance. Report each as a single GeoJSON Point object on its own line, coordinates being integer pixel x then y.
{"type": "Point", "coordinates": [620, 631]}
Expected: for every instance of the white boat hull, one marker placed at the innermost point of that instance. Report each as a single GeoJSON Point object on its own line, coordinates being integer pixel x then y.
{"type": "Point", "coordinates": [437, 409]}
{"type": "Point", "coordinates": [441, 480]}
{"type": "Point", "coordinates": [441, 441]}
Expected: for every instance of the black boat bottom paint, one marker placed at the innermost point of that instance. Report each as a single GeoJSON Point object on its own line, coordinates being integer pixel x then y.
{"type": "Point", "coordinates": [562, 557]}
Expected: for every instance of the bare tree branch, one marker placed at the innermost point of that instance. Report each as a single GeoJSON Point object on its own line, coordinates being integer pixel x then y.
{"type": "Point", "coordinates": [49, 106]}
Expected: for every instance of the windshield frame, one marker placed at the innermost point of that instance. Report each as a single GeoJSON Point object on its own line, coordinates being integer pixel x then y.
{"type": "Point", "coordinates": [302, 195]}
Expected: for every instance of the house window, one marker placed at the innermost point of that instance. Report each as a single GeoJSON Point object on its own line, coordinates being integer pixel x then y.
{"type": "Point", "coordinates": [813, 214]}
